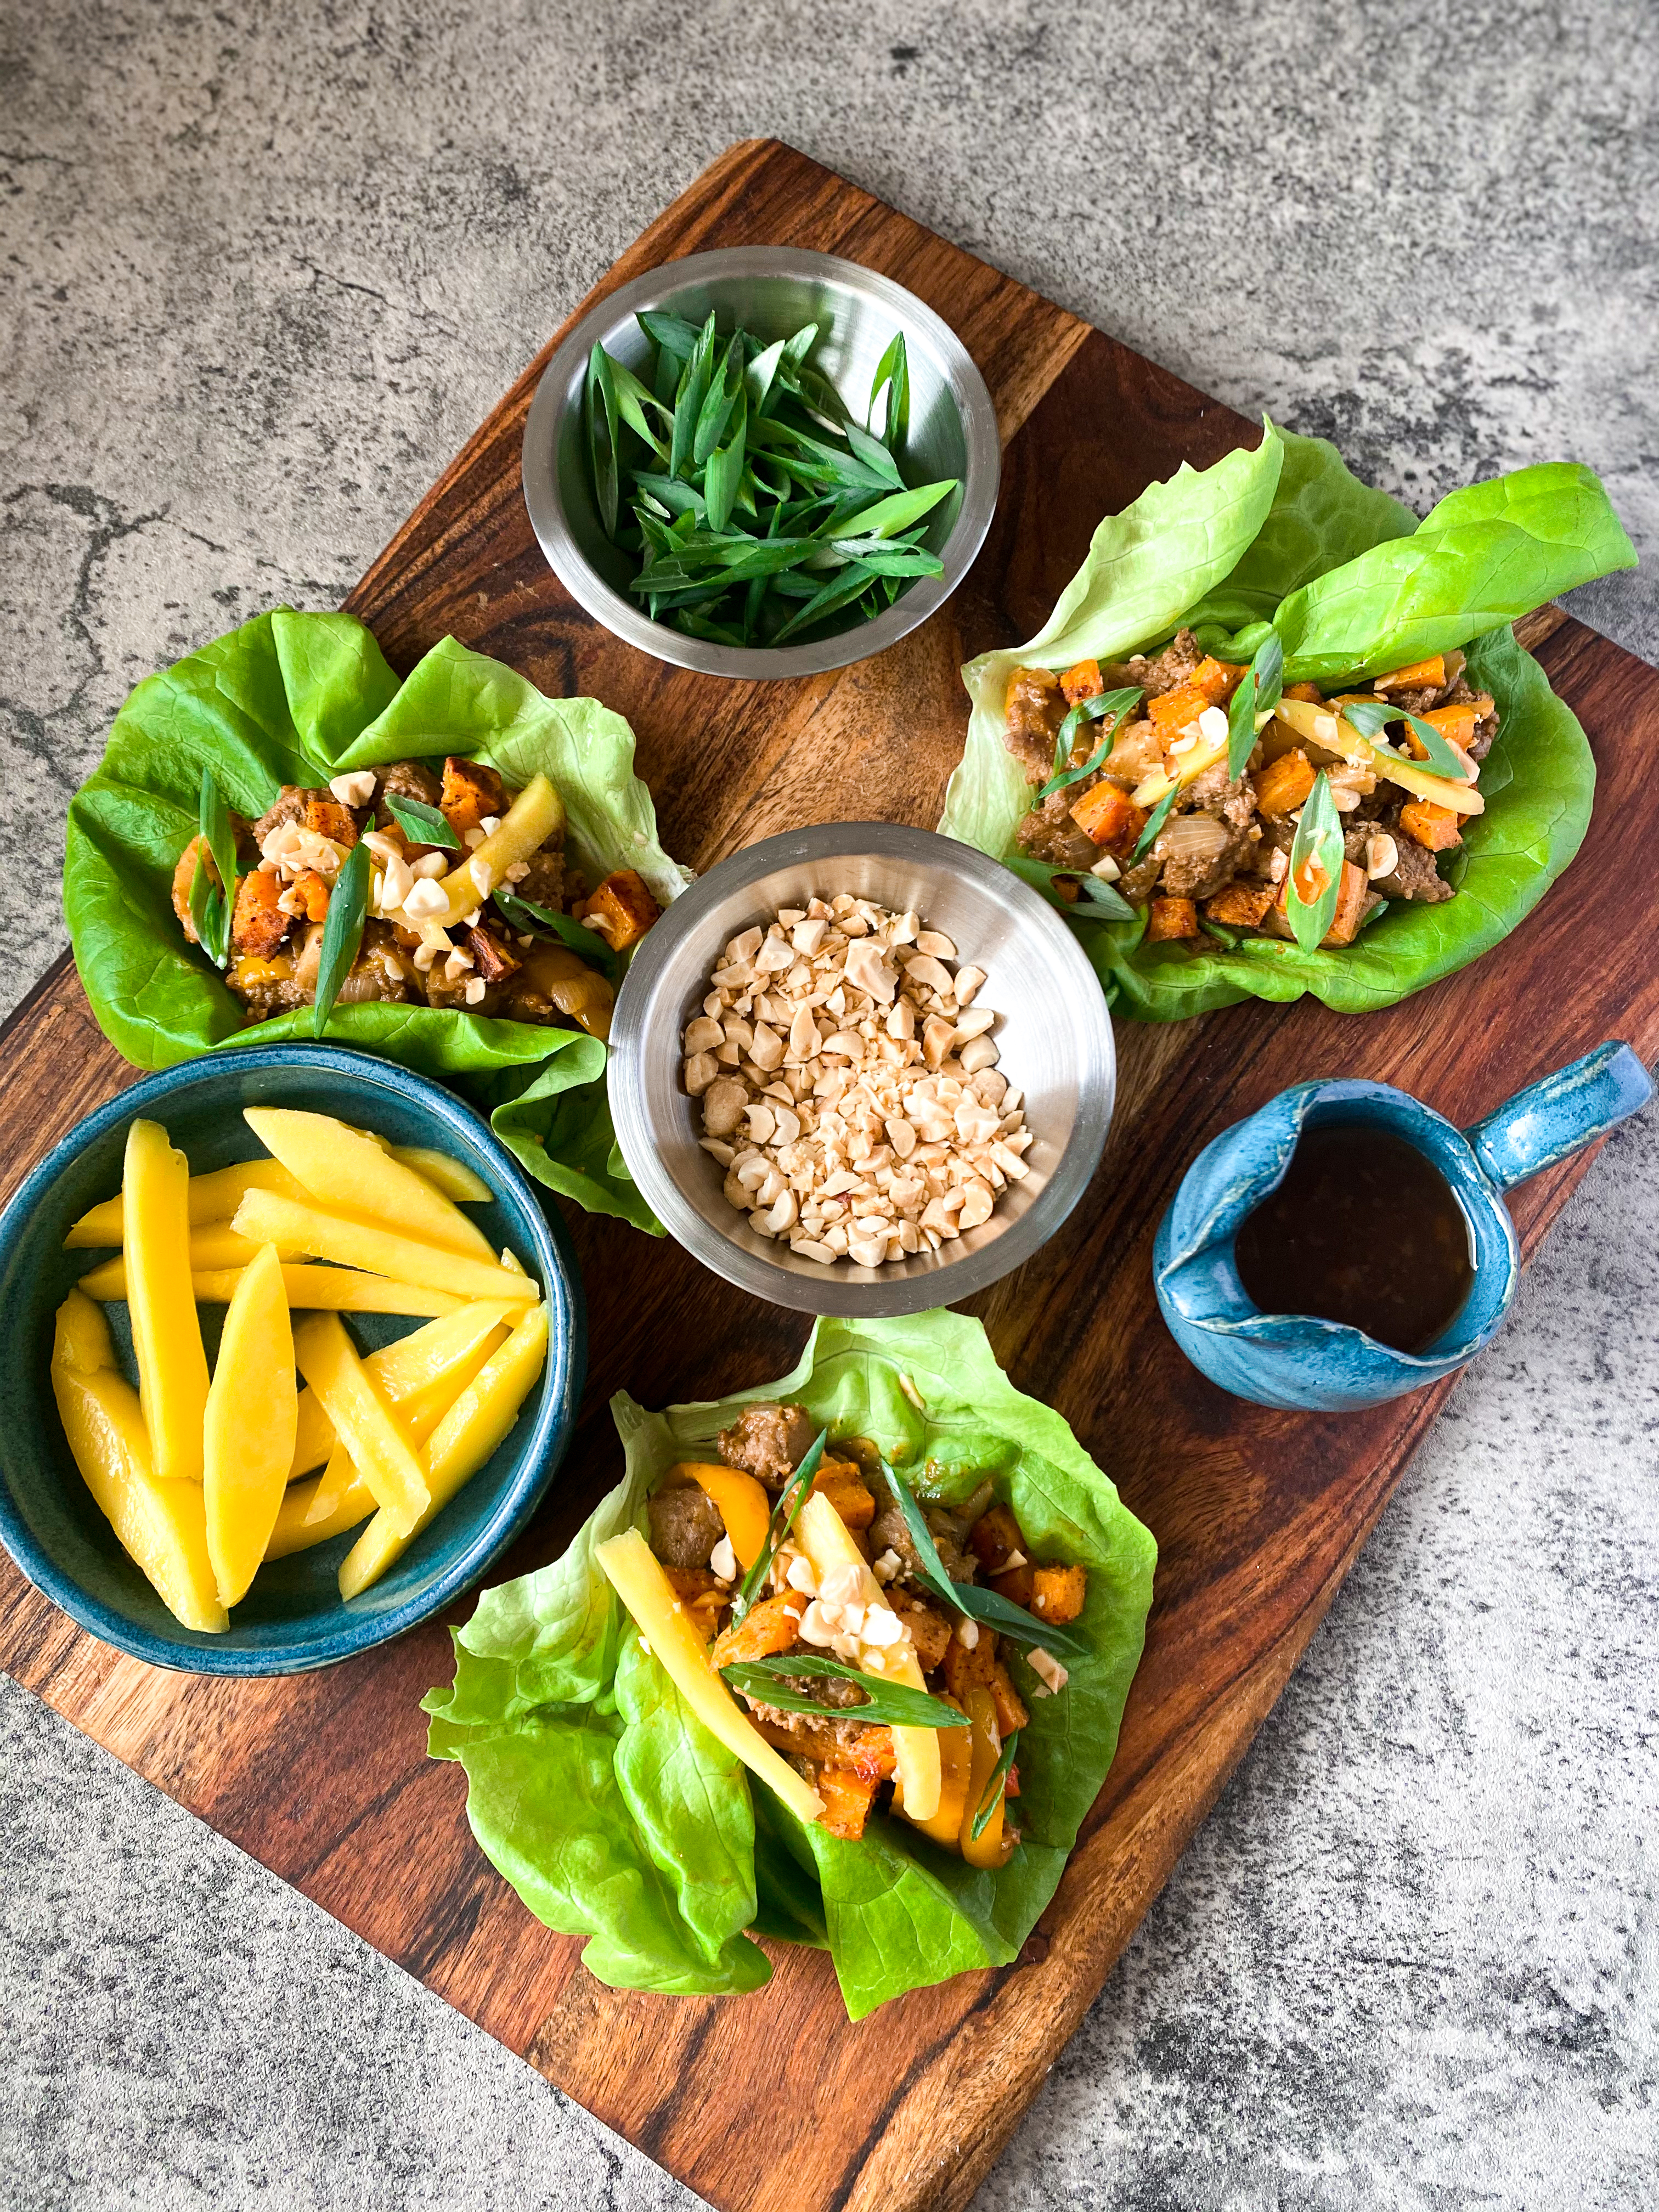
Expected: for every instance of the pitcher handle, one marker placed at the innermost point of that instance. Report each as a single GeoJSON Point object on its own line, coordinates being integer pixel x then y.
{"type": "Point", "coordinates": [1552, 1118]}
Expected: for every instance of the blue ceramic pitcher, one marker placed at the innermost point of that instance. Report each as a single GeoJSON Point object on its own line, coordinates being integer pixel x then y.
{"type": "Point", "coordinates": [1312, 1366]}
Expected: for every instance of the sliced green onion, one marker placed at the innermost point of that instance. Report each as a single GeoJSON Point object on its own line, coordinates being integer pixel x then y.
{"type": "Point", "coordinates": [420, 823]}
{"type": "Point", "coordinates": [529, 918]}
{"type": "Point", "coordinates": [1318, 839]}
{"type": "Point", "coordinates": [1262, 688]}
{"type": "Point", "coordinates": [895, 1704]}
{"type": "Point", "coordinates": [1155, 821]}
{"type": "Point", "coordinates": [996, 1784]}
{"type": "Point", "coordinates": [987, 1606]}
{"type": "Point", "coordinates": [1118, 705]}
{"type": "Point", "coordinates": [343, 933]}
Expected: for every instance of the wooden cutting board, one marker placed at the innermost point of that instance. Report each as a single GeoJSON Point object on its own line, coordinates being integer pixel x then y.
{"type": "Point", "coordinates": [773, 2101]}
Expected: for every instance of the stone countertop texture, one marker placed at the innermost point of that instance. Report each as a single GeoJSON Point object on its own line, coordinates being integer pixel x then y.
{"type": "Point", "coordinates": [264, 268]}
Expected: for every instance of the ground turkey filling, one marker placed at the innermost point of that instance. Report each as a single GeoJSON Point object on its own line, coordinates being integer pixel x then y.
{"type": "Point", "coordinates": [849, 1763]}
{"type": "Point", "coordinates": [1222, 853]}
{"type": "Point", "coordinates": [287, 862]}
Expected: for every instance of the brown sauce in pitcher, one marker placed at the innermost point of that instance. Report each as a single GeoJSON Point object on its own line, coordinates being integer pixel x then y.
{"type": "Point", "coordinates": [1363, 1230]}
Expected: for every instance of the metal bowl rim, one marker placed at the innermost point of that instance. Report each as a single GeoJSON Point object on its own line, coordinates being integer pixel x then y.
{"type": "Point", "coordinates": [657, 287]}
{"type": "Point", "coordinates": [827, 1290]}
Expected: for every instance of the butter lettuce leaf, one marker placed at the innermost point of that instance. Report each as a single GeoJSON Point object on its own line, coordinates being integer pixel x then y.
{"type": "Point", "coordinates": [299, 698]}
{"type": "Point", "coordinates": [1354, 586]}
{"type": "Point", "coordinates": [550, 1659]}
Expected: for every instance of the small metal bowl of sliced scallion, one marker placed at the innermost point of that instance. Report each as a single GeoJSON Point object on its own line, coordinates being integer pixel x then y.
{"type": "Point", "coordinates": [761, 463]}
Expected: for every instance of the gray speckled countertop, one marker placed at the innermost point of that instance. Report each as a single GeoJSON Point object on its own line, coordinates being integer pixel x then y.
{"type": "Point", "coordinates": [262, 269]}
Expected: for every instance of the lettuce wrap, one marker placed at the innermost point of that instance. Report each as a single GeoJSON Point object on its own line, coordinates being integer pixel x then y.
{"type": "Point", "coordinates": [1282, 534]}
{"type": "Point", "coordinates": [616, 1816]}
{"type": "Point", "coordinates": [299, 698]}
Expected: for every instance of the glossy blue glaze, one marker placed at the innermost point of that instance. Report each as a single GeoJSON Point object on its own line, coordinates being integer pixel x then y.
{"type": "Point", "coordinates": [292, 1619]}
{"type": "Point", "coordinates": [1295, 1361]}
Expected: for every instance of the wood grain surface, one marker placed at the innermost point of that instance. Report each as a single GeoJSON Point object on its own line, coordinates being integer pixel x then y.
{"type": "Point", "coordinates": [774, 2099]}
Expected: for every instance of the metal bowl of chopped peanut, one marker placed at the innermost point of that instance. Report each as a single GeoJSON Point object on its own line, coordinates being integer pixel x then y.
{"type": "Point", "coordinates": [861, 1069]}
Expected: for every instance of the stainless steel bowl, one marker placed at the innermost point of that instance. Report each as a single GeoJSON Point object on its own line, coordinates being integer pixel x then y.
{"type": "Point", "coordinates": [771, 291]}
{"type": "Point", "coordinates": [1054, 1036]}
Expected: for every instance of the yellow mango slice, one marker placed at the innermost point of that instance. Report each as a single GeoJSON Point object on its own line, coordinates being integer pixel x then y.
{"type": "Point", "coordinates": [166, 1337]}
{"type": "Point", "coordinates": [360, 1418]}
{"type": "Point", "coordinates": [823, 1536]}
{"type": "Point", "coordinates": [531, 820]}
{"type": "Point", "coordinates": [268, 1219]}
{"type": "Point", "coordinates": [316, 1290]}
{"type": "Point", "coordinates": [744, 1506]}
{"type": "Point", "coordinates": [295, 1531]}
{"type": "Point", "coordinates": [213, 1197]}
{"type": "Point", "coordinates": [468, 1433]}
{"type": "Point", "coordinates": [419, 1412]}
{"type": "Point", "coordinates": [453, 1177]}
{"type": "Point", "coordinates": [350, 1173]}
{"type": "Point", "coordinates": [444, 1356]}
{"type": "Point", "coordinates": [640, 1583]}
{"type": "Point", "coordinates": [251, 1413]}
{"type": "Point", "coordinates": [162, 1526]}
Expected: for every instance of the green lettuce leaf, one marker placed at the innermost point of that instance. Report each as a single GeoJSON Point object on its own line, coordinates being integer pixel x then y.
{"type": "Point", "coordinates": [539, 1661]}
{"type": "Point", "coordinates": [1483, 558]}
{"type": "Point", "coordinates": [299, 698]}
{"type": "Point", "coordinates": [1353, 587]}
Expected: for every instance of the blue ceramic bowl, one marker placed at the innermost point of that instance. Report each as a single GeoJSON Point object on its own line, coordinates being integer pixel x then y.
{"type": "Point", "coordinates": [293, 1618]}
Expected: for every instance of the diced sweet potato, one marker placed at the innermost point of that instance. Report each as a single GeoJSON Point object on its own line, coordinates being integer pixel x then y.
{"type": "Point", "coordinates": [966, 1670]}
{"type": "Point", "coordinates": [931, 1631]}
{"type": "Point", "coordinates": [1455, 724]}
{"type": "Point", "coordinates": [1082, 682]}
{"type": "Point", "coordinates": [993, 1536]}
{"type": "Point", "coordinates": [1281, 787]}
{"type": "Point", "coordinates": [1417, 676]}
{"type": "Point", "coordinates": [846, 1491]}
{"type": "Point", "coordinates": [329, 819]}
{"type": "Point", "coordinates": [622, 907]}
{"type": "Point", "coordinates": [1217, 679]}
{"type": "Point", "coordinates": [1435, 827]}
{"type": "Point", "coordinates": [847, 1800]}
{"type": "Point", "coordinates": [1171, 917]}
{"type": "Point", "coordinates": [1015, 1582]}
{"type": "Point", "coordinates": [1011, 1712]}
{"type": "Point", "coordinates": [700, 1594]}
{"type": "Point", "coordinates": [1176, 708]}
{"type": "Point", "coordinates": [1241, 906]}
{"type": "Point", "coordinates": [1110, 816]}
{"type": "Point", "coordinates": [470, 791]}
{"type": "Point", "coordinates": [1058, 1593]}
{"type": "Point", "coordinates": [310, 894]}
{"type": "Point", "coordinates": [1309, 692]}
{"type": "Point", "coordinates": [767, 1627]}
{"type": "Point", "coordinates": [259, 925]}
